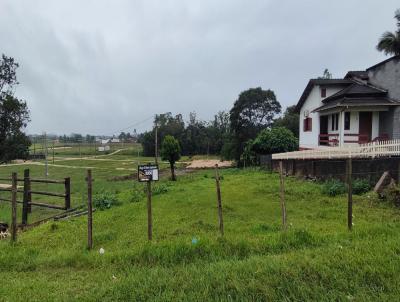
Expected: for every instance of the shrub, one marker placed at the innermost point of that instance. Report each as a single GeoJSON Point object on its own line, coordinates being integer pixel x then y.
{"type": "Point", "coordinates": [361, 186]}
{"type": "Point", "coordinates": [133, 195]}
{"type": "Point", "coordinates": [333, 187]}
{"type": "Point", "coordinates": [392, 194]}
{"type": "Point", "coordinates": [160, 189]}
{"type": "Point", "coordinates": [274, 140]}
{"type": "Point", "coordinates": [105, 200]}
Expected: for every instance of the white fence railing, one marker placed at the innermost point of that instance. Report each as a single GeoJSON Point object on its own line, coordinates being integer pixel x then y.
{"type": "Point", "coordinates": [373, 150]}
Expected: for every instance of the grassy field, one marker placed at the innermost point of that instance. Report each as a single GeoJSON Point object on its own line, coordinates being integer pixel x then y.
{"type": "Point", "coordinates": [315, 259]}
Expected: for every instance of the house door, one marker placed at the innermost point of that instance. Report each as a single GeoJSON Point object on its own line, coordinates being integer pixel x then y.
{"type": "Point", "coordinates": [323, 129]}
{"type": "Point", "coordinates": [365, 126]}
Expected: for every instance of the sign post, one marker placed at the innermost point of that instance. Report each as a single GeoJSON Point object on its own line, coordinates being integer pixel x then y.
{"type": "Point", "coordinates": [148, 173]}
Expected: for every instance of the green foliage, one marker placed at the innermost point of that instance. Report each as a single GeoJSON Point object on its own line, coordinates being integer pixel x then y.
{"type": "Point", "coordinates": [228, 149]}
{"type": "Point", "coordinates": [14, 115]}
{"type": "Point", "coordinates": [389, 42]}
{"type": "Point", "coordinates": [135, 194]}
{"type": "Point", "coordinates": [160, 188]}
{"type": "Point", "coordinates": [171, 151]}
{"type": "Point", "coordinates": [195, 136]}
{"type": "Point", "coordinates": [315, 259]}
{"type": "Point", "coordinates": [326, 75]}
{"type": "Point", "coordinates": [333, 187]}
{"type": "Point", "coordinates": [253, 111]}
{"type": "Point", "coordinates": [275, 140]}
{"type": "Point", "coordinates": [249, 156]}
{"type": "Point", "coordinates": [289, 120]}
{"type": "Point", "coordinates": [105, 200]}
{"type": "Point", "coordinates": [392, 194]}
{"type": "Point", "coordinates": [360, 186]}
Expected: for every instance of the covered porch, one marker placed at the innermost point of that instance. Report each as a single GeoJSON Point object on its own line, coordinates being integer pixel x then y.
{"type": "Point", "coordinates": [350, 126]}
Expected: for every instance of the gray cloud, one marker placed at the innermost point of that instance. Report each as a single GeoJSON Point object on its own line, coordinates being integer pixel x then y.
{"type": "Point", "coordinates": [99, 66]}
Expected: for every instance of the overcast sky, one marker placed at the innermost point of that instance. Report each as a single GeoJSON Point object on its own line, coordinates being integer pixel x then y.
{"type": "Point", "coordinates": [100, 66]}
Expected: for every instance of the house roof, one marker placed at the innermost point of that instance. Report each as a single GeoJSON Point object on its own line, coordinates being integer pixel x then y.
{"type": "Point", "coordinates": [345, 102]}
{"type": "Point", "coordinates": [354, 86]}
{"type": "Point", "coordinates": [356, 90]}
{"type": "Point", "coordinates": [321, 82]}
{"type": "Point", "coordinates": [384, 62]}
{"type": "Point", "coordinates": [361, 74]}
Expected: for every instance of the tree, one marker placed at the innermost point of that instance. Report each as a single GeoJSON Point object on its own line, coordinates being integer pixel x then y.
{"type": "Point", "coordinates": [253, 111]}
{"type": "Point", "coordinates": [326, 75]}
{"type": "Point", "coordinates": [275, 140]}
{"type": "Point", "coordinates": [171, 151]}
{"type": "Point", "coordinates": [14, 115]}
{"type": "Point", "coordinates": [389, 42]}
{"type": "Point", "coordinates": [289, 120]}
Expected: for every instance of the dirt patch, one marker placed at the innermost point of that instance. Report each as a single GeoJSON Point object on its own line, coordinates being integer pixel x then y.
{"type": "Point", "coordinates": [209, 163]}
{"type": "Point", "coordinates": [8, 186]}
{"type": "Point", "coordinates": [22, 161]}
{"type": "Point", "coordinates": [61, 148]}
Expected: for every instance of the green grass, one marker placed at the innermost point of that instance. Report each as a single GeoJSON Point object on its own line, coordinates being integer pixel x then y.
{"type": "Point", "coordinates": [315, 259]}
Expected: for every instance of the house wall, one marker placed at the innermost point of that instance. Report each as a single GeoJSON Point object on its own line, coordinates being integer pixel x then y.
{"type": "Point", "coordinates": [368, 168]}
{"type": "Point", "coordinates": [387, 76]}
{"type": "Point", "coordinates": [310, 139]}
{"type": "Point", "coordinates": [386, 123]}
{"type": "Point", "coordinates": [375, 124]}
{"type": "Point", "coordinates": [396, 123]}
{"type": "Point", "coordinates": [353, 124]}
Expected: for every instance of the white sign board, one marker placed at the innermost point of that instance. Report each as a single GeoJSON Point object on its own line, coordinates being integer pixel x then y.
{"type": "Point", "coordinates": [147, 173]}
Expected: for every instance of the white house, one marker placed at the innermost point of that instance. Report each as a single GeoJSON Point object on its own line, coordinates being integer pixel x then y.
{"type": "Point", "coordinates": [363, 106]}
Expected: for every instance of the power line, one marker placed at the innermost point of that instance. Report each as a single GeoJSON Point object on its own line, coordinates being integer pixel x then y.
{"type": "Point", "coordinates": [133, 125]}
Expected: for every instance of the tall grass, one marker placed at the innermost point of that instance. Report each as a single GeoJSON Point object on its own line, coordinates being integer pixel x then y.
{"type": "Point", "coordinates": [315, 259]}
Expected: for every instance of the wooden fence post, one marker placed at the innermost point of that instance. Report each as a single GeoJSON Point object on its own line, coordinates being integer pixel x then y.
{"type": "Point", "coordinates": [282, 191]}
{"type": "Point", "coordinates": [220, 217]}
{"type": "Point", "coordinates": [14, 207]}
{"type": "Point", "coordinates": [25, 204]}
{"type": "Point", "coordinates": [149, 213]}
{"type": "Point", "coordinates": [349, 194]}
{"type": "Point", "coordinates": [398, 172]}
{"type": "Point", "coordinates": [90, 210]}
{"type": "Point", "coordinates": [67, 185]}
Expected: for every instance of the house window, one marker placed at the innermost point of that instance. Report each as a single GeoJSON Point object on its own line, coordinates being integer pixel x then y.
{"type": "Point", "coordinates": [323, 92]}
{"type": "Point", "coordinates": [335, 122]}
{"type": "Point", "coordinates": [307, 124]}
{"type": "Point", "coordinates": [347, 121]}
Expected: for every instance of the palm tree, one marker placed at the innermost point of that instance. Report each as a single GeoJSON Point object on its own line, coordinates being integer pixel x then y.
{"type": "Point", "coordinates": [389, 43]}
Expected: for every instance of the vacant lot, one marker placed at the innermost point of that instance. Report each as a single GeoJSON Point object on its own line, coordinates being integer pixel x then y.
{"type": "Point", "coordinates": [315, 259]}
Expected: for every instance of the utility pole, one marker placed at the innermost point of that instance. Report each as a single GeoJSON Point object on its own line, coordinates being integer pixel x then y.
{"type": "Point", "coordinates": [156, 145]}
{"type": "Point", "coordinates": [46, 154]}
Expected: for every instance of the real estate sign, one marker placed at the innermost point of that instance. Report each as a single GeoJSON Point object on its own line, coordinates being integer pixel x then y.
{"type": "Point", "coordinates": [147, 173]}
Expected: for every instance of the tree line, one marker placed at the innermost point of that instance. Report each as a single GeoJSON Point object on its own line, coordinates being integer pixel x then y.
{"type": "Point", "coordinates": [228, 133]}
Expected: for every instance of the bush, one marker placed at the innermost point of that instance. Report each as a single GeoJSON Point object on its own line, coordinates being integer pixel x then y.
{"type": "Point", "coordinates": [105, 200]}
{"type": "Point", "coordinates": [160, 189]}
{"type": "Point", "coordinates": [392, 194]}
{"type": "Point", "coordinates": [275, 140]}
{"type": "Point", "coordinates": [361, 186]}
{"type": "Point", "coordinates": [333, 187]}
{"type": "Point", "coordinates": [133, 195]}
